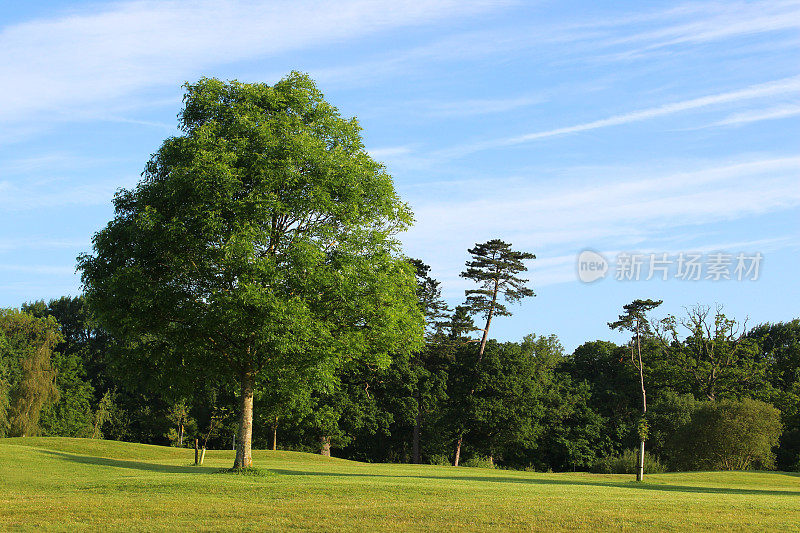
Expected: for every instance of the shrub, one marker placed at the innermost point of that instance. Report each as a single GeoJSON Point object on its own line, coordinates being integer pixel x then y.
{"type": "Point", "coordinates": [478, 461]}
{"type": "Point", "coordinates": [731, 435]}
{"type": "Point", "coordinates": [439, 459]}
{"type": "Point", "coordinates": [626, 463]}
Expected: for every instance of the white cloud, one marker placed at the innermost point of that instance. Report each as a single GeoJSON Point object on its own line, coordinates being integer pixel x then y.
{"type": "Point", "coordinates": [772, 113]}
{"type": "Point", "coordinates": [41, 243]}
{"type": "Point", "coordinates": [57, 194]}
{"type": "Point", "coordinates": [598, 210]}
{"type": "Point", "coordinates": [721, 21]}
{"type": "Point", "coordinates": [773, 88]}
{"type": "Point", "coordinates": [480, 106]}
{"type": "Point", "coordinates": [86, 58]}
{"type": "Point", "coordinates": [388, 151]}
{"type": "Point", "coordinates": [48, 270]}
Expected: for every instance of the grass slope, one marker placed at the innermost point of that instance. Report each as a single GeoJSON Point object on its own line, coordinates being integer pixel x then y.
{"type": "Point", "coordinates": [74, 484]}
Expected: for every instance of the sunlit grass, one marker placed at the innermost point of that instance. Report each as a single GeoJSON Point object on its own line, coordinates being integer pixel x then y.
{"type": "Point", "coordinates": [68, 484]}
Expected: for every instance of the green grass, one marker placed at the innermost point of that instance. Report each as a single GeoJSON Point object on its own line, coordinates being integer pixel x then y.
{"type": "Point", "coordinates": [77, 484]}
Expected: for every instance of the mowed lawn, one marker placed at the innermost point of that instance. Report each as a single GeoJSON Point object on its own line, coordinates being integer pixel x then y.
{"type": "Point", "coordinates": [74, 484]}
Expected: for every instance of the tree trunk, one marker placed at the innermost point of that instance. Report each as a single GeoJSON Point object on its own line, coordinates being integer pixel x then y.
{"type": "Point", "coordinates": [244, 455]}
{"type": "Point", "coordinates": [180, 435]}
{"type": "Point", "coordinates": [458, 450]}
{"type": "Point", "coordinates": [415, 440]}
{"type": "Point", "coordinates": [196, 453]}
{"type": "Point", "coordinates": [640, 466]}
{"type": "Point", "coordinates": [275, 434]}
{"type": "Point", "coordinates": [488, 320]}
{"type": "Point", "coordinates": [484, 338]}
{"type": "Point", "coordinates": [325, 446]}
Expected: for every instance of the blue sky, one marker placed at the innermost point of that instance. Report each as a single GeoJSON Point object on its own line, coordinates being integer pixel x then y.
{"type": "Point", "coordinates": [652, 127]}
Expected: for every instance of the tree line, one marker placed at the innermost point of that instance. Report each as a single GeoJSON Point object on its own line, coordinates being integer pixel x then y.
{"type": "Point", "coordinates": [718, 397]}
{"type": "Point", "coordinates": [252, 290]}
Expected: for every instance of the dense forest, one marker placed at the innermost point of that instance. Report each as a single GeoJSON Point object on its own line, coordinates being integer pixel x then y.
{"type": "Point", "coordinates": [718, 397]}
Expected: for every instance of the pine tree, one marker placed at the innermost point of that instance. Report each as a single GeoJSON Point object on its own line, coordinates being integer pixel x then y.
{"type": "Point", "coordinates": [494, 267]}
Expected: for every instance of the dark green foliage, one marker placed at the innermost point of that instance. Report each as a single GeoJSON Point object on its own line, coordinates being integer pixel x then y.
{"type": "Point", "coordinates": [730, 435]}
{"type": "Point", "coordinates": [779, 345]}
{"type": "Point", "coordinates": [505, 408]}
{"type": "Point", "coordinates": [574, 433]}
{"type": "Point", "coordinates": [669, 414]}
{"type": "Point", "coordinates": [71, 415]}
{"type": "Point", "coordinates": [479, 461]}
{"type": "Point", "coordinates": [613, 385]}
{"type": "Point", "coordinates": [528, 405]}
{"type": "Point", "coordinates": [626, 463]}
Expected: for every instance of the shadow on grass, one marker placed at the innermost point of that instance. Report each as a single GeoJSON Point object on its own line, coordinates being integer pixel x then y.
{"type": "Point", "coordinates": [136, 465]}
{"type": "Point", "coordinates": [565, 482]}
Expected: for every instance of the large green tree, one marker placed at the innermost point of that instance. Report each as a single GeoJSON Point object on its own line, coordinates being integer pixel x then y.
{"type": "Point", "coordinates": [261, 240]}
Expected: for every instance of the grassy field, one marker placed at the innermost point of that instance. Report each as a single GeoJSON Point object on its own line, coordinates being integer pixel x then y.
{"type": "Point", "coordinates": [68, 484]}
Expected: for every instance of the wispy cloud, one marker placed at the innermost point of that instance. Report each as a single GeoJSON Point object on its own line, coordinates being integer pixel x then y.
{"type": "Point", "coordinates": [49, 270]}
{"type": "Point", "coordinates": [85, 58]}
{"type": "Point", "coordinates": [716, 21]}
{"type": "Point", "coordinates": [772, 113]}
{"type": "Point", "coordinates": [600, 210]}
{"type": "Point", "coordinates": [41, 243]}
{"type": "Point", "coordinates": [551, 270]}
{"type": "Point", "coordinates": [57, 194]}
{"type": "Point", "coordinates": [50, 162]}
{"type": "Point", "coordinates": [464, 108]}
{"type": "Point", "coordinates": [389, 151]}
{"type": "Point", "coordinates": [773, 88]}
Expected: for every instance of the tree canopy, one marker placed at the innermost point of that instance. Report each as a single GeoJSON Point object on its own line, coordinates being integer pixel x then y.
{"type": "Point", "coordinates": [261, 239]}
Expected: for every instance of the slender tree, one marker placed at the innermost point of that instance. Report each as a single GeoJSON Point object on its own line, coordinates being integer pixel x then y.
{"type": "Point", "coordinates": [261, 239]}
{"type": "Point", "coordinates": [494, 267]}
{"type": "Point", "coordinates": [635, 320]}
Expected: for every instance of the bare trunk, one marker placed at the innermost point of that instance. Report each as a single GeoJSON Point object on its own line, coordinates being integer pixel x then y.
{"type": "Point", "coordinates": [202, 454]}
{"type": "Point", "coordinates": [488, 321]}
{"type": "Point", "coordinates": [640, 466]}
{"type": "Point", "coordinates": [458, 450]}
{"type": "Point", "coordinates": [415, 440]}
{"type": "Point", "coordinates": [180, 435]}
{"type": "Point", "coordinates": [275, 434]}
{"type": "Point", "coordinates": [325, 446]}
{"type": "Point", "coordinates": [641, 369]}
{"type": "Point", "coordinates": [491, 460]}
{"type": "Point", "coordinates": [196, 453]}
{"type": "Point", "coordinates": [244, 454]}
